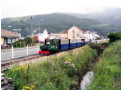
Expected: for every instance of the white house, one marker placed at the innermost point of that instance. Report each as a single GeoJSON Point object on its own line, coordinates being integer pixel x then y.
{"type": "Point", "coordinates": [90, 35]}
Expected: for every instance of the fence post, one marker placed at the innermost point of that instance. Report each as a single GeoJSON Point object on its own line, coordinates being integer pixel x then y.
{"type": "Point", "coordinates": [27, 50]}
{"type": "Point", "coordinates": [37, 48]}
{"type": "Point", "coordinates": [12, 52]}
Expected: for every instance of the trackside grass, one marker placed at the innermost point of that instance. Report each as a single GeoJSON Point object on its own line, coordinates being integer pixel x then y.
{"type": "Point", "coordinates": [56, 73]}
{"type": "Point", "coordinates": [108, 69]}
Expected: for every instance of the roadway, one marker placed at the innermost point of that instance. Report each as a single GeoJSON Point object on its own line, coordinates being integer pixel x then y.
{"type": "Point", "coordinates": [18, 53]}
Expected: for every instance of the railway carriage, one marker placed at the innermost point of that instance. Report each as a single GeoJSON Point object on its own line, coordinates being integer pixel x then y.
{"type": "Point", "coordinates": [73, 43]}
{"type": "Point", "coordinates": [64, 44]}
{"type": "Point", "coordinates": [78, 43]}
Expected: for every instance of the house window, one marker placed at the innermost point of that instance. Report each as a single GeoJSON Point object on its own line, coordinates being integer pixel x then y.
{"type": "Point", "coordinates": [13, 40]}
{"type": "Point", "coordinates": [77, 34]}
{"type": "Point", "coordinates": [9, 40]}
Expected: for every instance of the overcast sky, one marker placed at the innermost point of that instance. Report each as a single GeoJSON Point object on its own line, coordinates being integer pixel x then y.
{"type": "Point", "coordinates": [17, 8]}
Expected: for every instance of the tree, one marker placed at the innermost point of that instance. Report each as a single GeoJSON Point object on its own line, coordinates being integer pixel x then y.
{"type": "Point", "coordinates": [28, 40]}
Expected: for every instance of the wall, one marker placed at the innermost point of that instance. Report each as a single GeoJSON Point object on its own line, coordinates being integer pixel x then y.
{"type": "Point", "coordinates": [2, 40]}
{"type": "Point", "coordinates": [16, 39]}
{"type": "Point", "coordinates": [60, 35]}
{"type": "Point", "coordinates": [81, 33]}
{"type": "Point", "coordinates": [74, 33]}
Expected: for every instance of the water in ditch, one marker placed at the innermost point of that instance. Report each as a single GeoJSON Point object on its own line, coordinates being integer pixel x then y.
{"type": "Point", "coordinates": [87, 79]}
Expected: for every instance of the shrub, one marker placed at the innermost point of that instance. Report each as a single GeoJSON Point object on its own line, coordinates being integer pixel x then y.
{"type": "Point", "coordinates": [114, 36]}
{"type": "Point", "coordinates": [18, 44]}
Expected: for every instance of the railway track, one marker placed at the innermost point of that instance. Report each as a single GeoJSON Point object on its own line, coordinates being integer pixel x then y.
{"type": "Point", "coordinates": [8, 64]}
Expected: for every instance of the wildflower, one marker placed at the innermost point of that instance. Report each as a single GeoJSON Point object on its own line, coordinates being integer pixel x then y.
{"type": "Point", "coordinates": [73, 65]}
{"type": "Point", "coordinates": [74, 82]}
{"type": "Point", "coordinates": [18, 68]}
{"type": "Point", "coordinates": [27, 87]}
{"type": "Point", "coordinates": [69, 60]}
{"type": "Point", "coordinates": [56, 79]}
{"type": "Point", "coordinates": [51, 56]}
{"type": "Point", "coordinates": [33, 86]}
{"type": "Point", "coordinates": [50, 83]}
{"type": "Point", "coordinates": [23, 66]}
{"type": "Point", "coordinates": [55, 71]}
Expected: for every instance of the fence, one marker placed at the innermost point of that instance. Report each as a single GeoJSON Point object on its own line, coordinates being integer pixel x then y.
{"type": "Point", "coordinates": [18, 52]}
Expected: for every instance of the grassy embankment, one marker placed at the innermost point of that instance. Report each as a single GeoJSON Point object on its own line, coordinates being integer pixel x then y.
{"type": "Point", "coordinates": [57, 73]}
{"type": "Point", "coordinates": [108, 69]}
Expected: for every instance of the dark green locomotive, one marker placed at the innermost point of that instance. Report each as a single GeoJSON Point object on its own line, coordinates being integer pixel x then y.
{"type": "Point", "coordinates": [51, 45]}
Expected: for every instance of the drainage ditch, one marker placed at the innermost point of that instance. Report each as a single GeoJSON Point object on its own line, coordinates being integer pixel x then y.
{"type": "Point", "coordinates": [85, 77]}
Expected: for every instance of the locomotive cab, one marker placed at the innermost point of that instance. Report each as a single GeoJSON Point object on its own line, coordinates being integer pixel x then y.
{"type": "Point", "coordinates": [51, 45]}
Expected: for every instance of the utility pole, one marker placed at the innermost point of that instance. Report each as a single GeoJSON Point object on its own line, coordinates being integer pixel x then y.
{"type": "Point", "coordinates": [39, 31]}
{"type": "Point", "coordinates": [32, 30]}
{"type": "Point", "coordinates": [39, 26]}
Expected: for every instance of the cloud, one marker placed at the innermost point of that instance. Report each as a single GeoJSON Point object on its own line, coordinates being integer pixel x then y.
{"type": "Point", "coordinates": [15, 8]}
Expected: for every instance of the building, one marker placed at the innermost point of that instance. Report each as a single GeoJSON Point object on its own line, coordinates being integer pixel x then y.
{"type": "Point", "coordinates": [90, 35]}
{"type": "Point", "coordinates": [61, 35]}
{"type": "Point", "coordinates": [73, 33]}
{"type": "Point", "coordinates": [8, 37]}
{"type": "Point", "coordinates": [18, 34]}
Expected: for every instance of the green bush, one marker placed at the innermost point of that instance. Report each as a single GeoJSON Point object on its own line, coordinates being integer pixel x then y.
{"type": "Point", "coordinates": [108, 69]}
{"type": "Point", "coordinates": [95, 46]}
{"type": "Point", "coordinates": [18, 44]}
{"type": "Point", "coordinates": [114, 36]}
{"type": "Point", "coordinates": [55, 73]}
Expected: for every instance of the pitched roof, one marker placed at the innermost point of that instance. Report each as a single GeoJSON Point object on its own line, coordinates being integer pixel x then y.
{"type": "Point", "coordinates": [6, 33]}
{"type": "Point", "coordinates": [64, 32]}
{"type": "Point", "coordinates": [76, 27]}
{"type": "Point", "coordinates": [89, 32]}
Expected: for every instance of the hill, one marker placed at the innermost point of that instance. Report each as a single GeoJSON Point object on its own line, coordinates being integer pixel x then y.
{"type": "Point", "coordinates": [108, 15]}
{"type": "Point", "coordinates": [52, 22]}
{"type": "Point", "coordinates": [55, 23]}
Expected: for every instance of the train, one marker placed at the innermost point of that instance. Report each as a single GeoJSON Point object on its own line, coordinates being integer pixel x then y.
{"type": "Point", "coordinates": [55, 45]}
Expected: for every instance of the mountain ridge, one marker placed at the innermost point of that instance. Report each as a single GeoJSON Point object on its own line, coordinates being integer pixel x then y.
{"type": "Point", "coordinates": [57, 22]}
